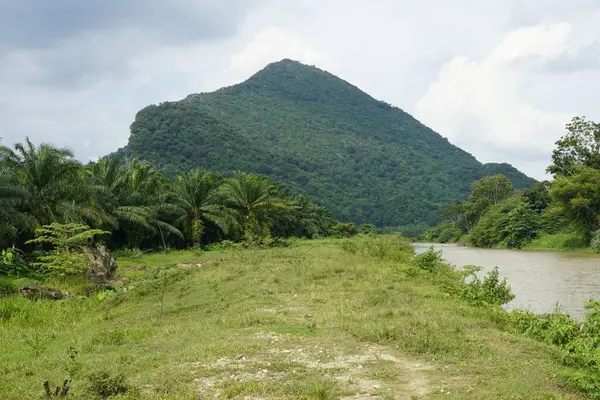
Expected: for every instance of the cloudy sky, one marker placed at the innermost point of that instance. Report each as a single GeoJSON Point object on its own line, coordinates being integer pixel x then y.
{"type": "Point", "coordinates": [499, 78]}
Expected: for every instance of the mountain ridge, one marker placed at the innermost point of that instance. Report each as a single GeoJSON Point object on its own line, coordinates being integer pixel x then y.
{"type": "Point", "coordinates": [363, 158]}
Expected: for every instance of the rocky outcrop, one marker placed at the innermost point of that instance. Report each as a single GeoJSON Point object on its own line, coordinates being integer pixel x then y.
{"type": "Point", "coordinates": [42, 292]}
{"type": "Point", "coordinates": [103, 267]}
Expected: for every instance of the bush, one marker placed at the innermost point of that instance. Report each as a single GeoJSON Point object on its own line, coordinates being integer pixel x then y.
{"type": "Point", "coordinates": [580, 343]}
{"type": "Point", "coordinates": [366, 229]}
{"type": "Point", "coordinates": [489, 291]}
{"type": "Point", "coordinates": [429, 260]}
{"type": "Point", "coordinates": [67, 241]}
{"type": "Point", "coordinates": [391, 248]}
{"type": "Point", "coordinates": [12, 263]}
{"type": "Point", "coordinates": [595, 242]}
{"type": "Point", "coordinates": [104, 385]}
{"type": "Point", "coordinates": [342, 229]}
{"type": "Point", "coordinates": [445, 232]}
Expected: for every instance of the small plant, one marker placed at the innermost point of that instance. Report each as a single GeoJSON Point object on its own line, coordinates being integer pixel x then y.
{"type": "Point", "coordinates": [103, 384]}
{"type": "Point", "coordinates": [59, 391]}
{"type": "Point", "coordinates": [429, 260]}
{"type": "Point", "coordinates": [491, 291]}
{"type": "Point", "coordinates": [595, 242]}
{"type": "Point", "coordinates": [321, 390]}
{"type": "Point", "coordinates": [129, 252]}
{"type": "Point", "coordinates": [350, 246]}
{"type": "Point", "coordinates": [13, 263]}
{"type": "Point", "coordinates": [67, 240]}
{"type": "Point", "coordinates": [73, 364]}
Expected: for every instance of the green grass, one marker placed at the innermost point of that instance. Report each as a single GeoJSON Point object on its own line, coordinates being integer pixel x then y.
{"type": "Point", "coordinates": [559, 242]}
{"type": "Point", "coordinates": [311, 321]}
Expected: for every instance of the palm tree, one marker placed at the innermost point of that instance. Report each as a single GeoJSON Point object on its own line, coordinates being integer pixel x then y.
{"type": "Point", "coordinates": [11, 219]}
{"type": "Point", "coordinates": [305, 219]}
{"type": "Point", "coordinates": [138, 188]}
{"type": "Point", "coordinates": [48, 184]}
{"type": "Point", "coordinates": [195, 198]}
{"type": "Point", "coordinates": [257, 202]}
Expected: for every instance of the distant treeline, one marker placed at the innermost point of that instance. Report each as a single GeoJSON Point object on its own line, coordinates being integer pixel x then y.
{"type": "Point", "coordinates": [562, 213]}
{"type": "Point", "coordinates": [141, 208]}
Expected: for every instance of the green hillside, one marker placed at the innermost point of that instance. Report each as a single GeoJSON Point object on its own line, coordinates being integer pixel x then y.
{"type": "Point", "coordinates": [364, 159]}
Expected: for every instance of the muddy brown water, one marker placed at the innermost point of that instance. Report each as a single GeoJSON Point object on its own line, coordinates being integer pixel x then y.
{"type": "Point", "coordinates": [540, 280]}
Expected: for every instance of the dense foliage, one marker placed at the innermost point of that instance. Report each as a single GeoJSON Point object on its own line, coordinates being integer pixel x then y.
{"type": "Point", "coordinates": [366, 161]}
{"type": "Point", "coordinates": [568, 207]}
{"type": "Point", "coordinates": [50, 201]}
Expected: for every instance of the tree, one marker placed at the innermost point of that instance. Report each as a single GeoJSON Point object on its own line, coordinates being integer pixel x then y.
{"type": "Point", "coordinates": [195, 199]}
{"type": "Point", "coordinates": [68, 242]}
{"type": "Point", "coordinates": [303, 219]}
{"type": "Point", "coordinates": [138, 189]}
{"type": "Point", "coordinates": [257, 202]}
{"type": "Point", "coordinates": [537, 197]}
{"type": "Point", "coordinates": [490, 190]}
{"type": "Point", "coordinates": [48, 185]}
{"type": "Point", "coordinates": [580, 146]}
{"type": "Point", "coordinates": [578, 195]}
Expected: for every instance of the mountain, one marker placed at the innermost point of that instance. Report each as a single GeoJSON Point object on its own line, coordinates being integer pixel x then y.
{"type": "Point", "coordinates": [364, 159]}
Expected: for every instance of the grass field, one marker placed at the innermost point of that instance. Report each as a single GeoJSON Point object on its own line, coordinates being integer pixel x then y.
{"type": "Point", "coordinates": [310, 321]}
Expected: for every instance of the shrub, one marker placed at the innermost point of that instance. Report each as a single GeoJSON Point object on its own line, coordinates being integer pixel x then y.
{"type": "Point", "coordinates": [595, 242]}
{"type": "Point", "coordinates": [445, 232]}
{"type": "Point", "coordinates": [391, 248]}
{"type": "Point", "coordinates": [489, 291]}
{"type": "Point", "coordinates": [429, 260]}
{"type": "Point", "coordinates": [67, 241]}
{"type": "Point", "coordinates": [342, 229]}
{"type": "Point", "coordinates": [103, 384]}
{"type": "Point", "coordinates": [366, 229]}
{"type": "Point", "coordinates": [12, 263]}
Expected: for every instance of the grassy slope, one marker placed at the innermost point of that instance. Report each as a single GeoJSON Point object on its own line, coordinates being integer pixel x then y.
{"type": "Point", "coordinates": [310, 321]}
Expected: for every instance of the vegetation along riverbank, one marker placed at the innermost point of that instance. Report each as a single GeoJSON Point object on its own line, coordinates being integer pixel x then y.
{"type": "Point", "coordinates": [562, 214]}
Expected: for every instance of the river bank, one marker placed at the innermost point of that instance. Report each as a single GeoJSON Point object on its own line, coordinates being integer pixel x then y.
{"type": "Point", "coordinates": [539, 279]}
{"type": "Point", "coordinates": [318, 320]}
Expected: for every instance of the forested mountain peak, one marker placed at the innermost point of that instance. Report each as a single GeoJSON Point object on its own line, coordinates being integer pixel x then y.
{"type": "Point", "coordinates": [363, 158]}
{"type": "Point", "coordinates": [288, 77]}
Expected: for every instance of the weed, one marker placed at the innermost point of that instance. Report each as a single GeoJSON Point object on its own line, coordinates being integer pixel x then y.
{"type": "Point", "coordinates": [321, 390]}
{"type": "Point", "coordinates": [491, 291]}
{"type": "Point", "coordinates": [595, 242]}
{"type": "Point", "coordinates": [103, 384]}
{"type": "Point", "coordinates": [429, 260]}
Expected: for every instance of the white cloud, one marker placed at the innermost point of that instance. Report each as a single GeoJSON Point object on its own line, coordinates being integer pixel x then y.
{"type": "Point", "coordinates": [498, 78]}
{"type": "Point", "coordinates": [273, 44]}
{"type": "Point", "coordinates": [478, 105]}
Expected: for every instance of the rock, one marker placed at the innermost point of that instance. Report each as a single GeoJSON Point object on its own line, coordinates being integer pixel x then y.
{"type": "Point", "coordinates": [189, 266]}
{"type": "Point", "coordinates": [102, 266]}
{"type": "Point", "coordinates": [42, 292]}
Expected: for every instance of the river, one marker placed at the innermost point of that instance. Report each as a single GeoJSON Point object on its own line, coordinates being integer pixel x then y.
{"type": "Point", "coordinates": [538, 279]}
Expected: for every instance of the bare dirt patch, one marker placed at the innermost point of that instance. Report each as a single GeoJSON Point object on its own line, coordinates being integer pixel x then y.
{"type": "Point", "coordinates": [365, 372]}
